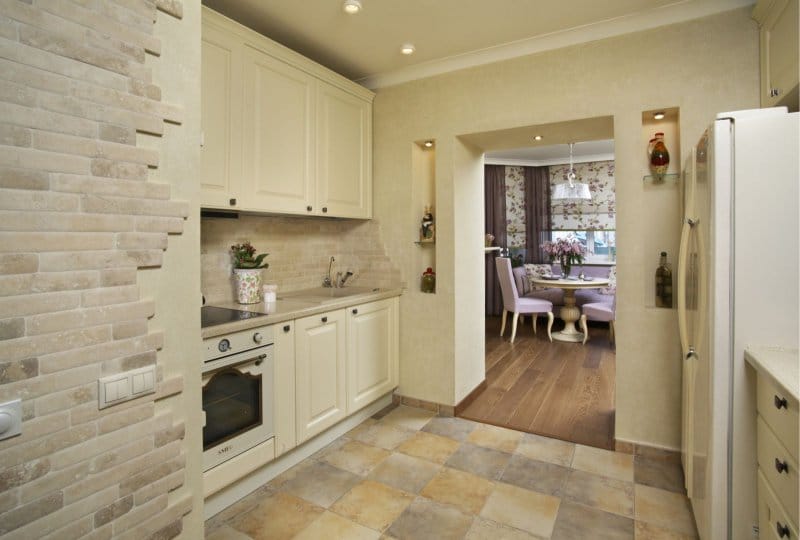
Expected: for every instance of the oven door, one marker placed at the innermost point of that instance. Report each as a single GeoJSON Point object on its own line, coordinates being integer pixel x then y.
{"type": "Point", "coordinates": [237, 402]}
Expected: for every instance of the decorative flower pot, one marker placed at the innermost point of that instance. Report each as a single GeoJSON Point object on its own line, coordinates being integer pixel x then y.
{"type": "Point", "coordinates": [566, 267]}
{"type": "Point", "coordinates": [248, 285]}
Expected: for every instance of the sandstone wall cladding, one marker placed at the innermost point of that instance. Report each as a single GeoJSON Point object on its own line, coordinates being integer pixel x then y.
{"type": "Point", "coordinates": [79, 219]}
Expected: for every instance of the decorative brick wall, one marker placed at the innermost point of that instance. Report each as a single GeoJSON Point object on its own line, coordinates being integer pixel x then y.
{"type": "Point", "coordinates": [299, 250]}
{"type": "Point", "coordinates": [78, 218]}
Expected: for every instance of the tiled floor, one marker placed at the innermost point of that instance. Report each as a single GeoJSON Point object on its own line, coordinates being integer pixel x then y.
{"type": "Point", "coordinates": [407, 474]}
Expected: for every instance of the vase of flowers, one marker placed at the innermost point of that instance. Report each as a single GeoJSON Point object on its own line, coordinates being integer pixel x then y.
{"type": "Point", "coordinates": [247, 272]}
{"type": "Point", "coordinates": [569, 252]}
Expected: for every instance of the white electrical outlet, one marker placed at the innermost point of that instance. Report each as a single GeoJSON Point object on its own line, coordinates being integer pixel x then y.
{"type": "Point", "coordinates": [125, 386]}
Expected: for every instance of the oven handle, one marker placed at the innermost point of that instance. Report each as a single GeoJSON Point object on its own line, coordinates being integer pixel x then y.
{"type": "Point", "coordinates": [256, 356]}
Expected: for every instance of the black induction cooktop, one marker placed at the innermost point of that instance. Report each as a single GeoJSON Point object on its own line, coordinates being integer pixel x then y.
{"type": "Point", "coordinates": [212, 315]}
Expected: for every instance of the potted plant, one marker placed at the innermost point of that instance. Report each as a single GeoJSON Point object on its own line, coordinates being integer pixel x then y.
{"type": "Point", "coordinates": [569, 251]}
{"type": "Point", "coordinates": [247, 272]}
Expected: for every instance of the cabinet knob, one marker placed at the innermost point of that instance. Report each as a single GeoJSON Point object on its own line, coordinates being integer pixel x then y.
{"type": "Point", "coordinates": [780, 402]}
{"type": "Point", "coordinates": [324, 209]}
{"type": "Point", "coordinates": [308, 208]}
{"type": "Point", "coordinates": [782, 530]}
{"type": "Point", "coordinates": [257, 338]}
{"type": "Point", "coordinates": [324, 319]}
{"type": "Point", "coordinates": [287, 328]}
{"type": "Point", "coordinates": [355, 312]}
{"type": "Point", "coordinates": [781, 466]}
{"type": "Point", "coordinates": [232, 202]}
{"type": "Point", "coordinates": [774, 92]}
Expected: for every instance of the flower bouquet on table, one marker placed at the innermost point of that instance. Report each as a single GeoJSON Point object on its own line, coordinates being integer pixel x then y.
{"type": "Point", "coordinates": [568, 251]}
{"type": "Point", "coordinates": [247, 272]}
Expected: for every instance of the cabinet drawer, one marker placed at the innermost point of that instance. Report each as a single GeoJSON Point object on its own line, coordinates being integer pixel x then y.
{"type": "Point", "coordinates": [771, 517]}
{"type": "Point", "coordinates": [783, 419]}
{"type": "Point", "coordinates": [771, 455]}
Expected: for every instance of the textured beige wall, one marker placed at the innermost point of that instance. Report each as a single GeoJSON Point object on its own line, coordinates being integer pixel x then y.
{"type": "Point", "coordinates": [99, 267]}
{"type": "Point", "coordinates": [703, 67]}
{"type": "Point", "coordinates": [299, 252]}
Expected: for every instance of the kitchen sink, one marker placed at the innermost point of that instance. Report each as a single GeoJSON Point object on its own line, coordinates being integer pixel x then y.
{"type": "Point", "coordinates": [329, 292]}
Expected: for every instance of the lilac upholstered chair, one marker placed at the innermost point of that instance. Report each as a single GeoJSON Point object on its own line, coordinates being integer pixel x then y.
{"type": "Point", "coordinates": [519, 306]}
{"type": "Point", "coordinates": [599, 311]}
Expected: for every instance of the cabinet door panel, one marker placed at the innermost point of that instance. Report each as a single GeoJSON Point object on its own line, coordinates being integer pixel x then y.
{"type": "Point", "coordinates": [320, 364]}
{"type": "Point", "coordinates": [284, 388]}
{"type": "Point", "coordinates": [220, 113]}
{"type": "Point", "coordinates": [278, 127]}
{"type": "Point", "coordinates": [371, 353]}
{"type": "Point", "coordinates": [344, 160]}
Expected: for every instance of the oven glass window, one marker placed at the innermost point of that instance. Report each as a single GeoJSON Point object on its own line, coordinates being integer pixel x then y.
{"type": "Point", "coordinates": [232, 403]}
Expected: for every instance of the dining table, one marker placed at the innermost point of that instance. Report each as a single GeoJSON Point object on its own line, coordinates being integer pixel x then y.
{"type": "Point", "coordinates": [569, 313]}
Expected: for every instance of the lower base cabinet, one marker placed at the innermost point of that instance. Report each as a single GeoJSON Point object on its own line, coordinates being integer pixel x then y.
{"type": "Point", "coordinates": [284, 388]}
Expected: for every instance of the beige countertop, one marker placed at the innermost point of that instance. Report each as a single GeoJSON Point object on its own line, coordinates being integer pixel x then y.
{"type": "Point", "coordinates": [298, 304]}
{"type": "Point", "coordinates": [780, 364]}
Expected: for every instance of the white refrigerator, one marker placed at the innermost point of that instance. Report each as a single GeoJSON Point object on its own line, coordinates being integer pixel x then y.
{"type": "Point", "coordinates": [737, 286]}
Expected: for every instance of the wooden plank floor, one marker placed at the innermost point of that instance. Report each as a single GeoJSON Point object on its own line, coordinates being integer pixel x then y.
{"type": "Point", "coordinates": [560, 390]}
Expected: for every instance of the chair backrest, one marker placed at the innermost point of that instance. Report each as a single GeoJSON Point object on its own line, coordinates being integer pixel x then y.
{"type": "Point", "coordinates": [507, 286]}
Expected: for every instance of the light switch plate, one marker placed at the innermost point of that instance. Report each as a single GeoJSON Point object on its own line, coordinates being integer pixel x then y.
{"type": "Point", "coordinates": [10, 419]}
{"type": "Point", "coordinates": [123, 387]}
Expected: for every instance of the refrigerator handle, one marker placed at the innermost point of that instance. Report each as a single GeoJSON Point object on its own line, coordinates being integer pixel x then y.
{"type": "Point", "coordinates": [682, 253]}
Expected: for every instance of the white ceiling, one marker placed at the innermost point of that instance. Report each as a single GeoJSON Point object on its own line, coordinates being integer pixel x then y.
{"type": "Point", "coordinates": [553, 154]}
{"type": "Point", "coordinates": [448, 34]}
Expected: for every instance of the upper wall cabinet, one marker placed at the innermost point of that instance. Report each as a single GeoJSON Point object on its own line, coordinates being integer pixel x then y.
{"type": "Point", "coordinates": [289, 136]}
{"type": "Point", "coordinates": [780, 66]}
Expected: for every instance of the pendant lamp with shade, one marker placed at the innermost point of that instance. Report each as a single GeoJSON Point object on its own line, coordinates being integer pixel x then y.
{"type": "Point", "coordinates": [572, 188]}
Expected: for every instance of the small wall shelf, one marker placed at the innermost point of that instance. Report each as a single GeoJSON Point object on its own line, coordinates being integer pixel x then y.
{"type": "Point", "coordinates": [666, 178]}
{"type": "Point", "coordinates": [425, 242]}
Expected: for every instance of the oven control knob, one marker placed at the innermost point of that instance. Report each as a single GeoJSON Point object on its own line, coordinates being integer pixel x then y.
{"type": "Point", "coordinates": [224, 345]}
{"type": "Point", "coordinates": [257, 337]}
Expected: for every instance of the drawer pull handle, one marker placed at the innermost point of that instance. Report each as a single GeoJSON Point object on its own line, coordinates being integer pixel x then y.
{"type": "Point", "coordinates": [780, 402]}
{"type": "Point", "coordinates": [324, 319]}
{"type": "Point", "coordinates": [782, 530]}
{"type": "Point", "coordinates": [287, 328]}
{"type": "Point", "coordinates": [308, 208]}
{"type": "Point", "coordinates": [355, 312]}
{"type": "Point", "coordinates": [232, 202]}
{"type": "Point", "coordinates": [781, 466]}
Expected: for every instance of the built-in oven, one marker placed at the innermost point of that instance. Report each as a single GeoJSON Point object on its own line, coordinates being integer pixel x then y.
{"type": "Point", "coordinates": [237, 393]}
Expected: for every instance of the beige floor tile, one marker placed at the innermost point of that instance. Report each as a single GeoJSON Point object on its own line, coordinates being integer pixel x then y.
{"type": "Point", "coordinates": [546, 449]}
{"type": "Point", "coordinates": [607, 494]}
{"type": "Point", "coordinates": [357, 457]}
{"type": "Point", "coordinates": [454, 428]}
{"type": "Point", "coordinates": [332, 447]}
{"type": "Point", "coordinates": [288, 475]}
{"type": "Point", "coordinates": [463, 490]}
{"type": "Point", "coordinates": [485, 529]}
{"type": "Point", "coordinates": [407, 418]}
{"type": "Point", "coordinates": [664, 509]}
{"type": "Point", "coordinates": [578, 521]}
{"type": "Point", "coordinates": [535, 475]}
{"type": "Point", "coordinates": [321, 484]}
{"type": "Point", "coordinates": [329, 525]}
{"type": "Point", "coordinates": [659, 473]}
{"type": "Point", "coordinates": [225, 532]}
{"type": "Point", "coordinates": [382, 435]}
{"type": "Point", "coordinates": [429, 446]}
{"type": "Point", "coordinates": [404, 472]}
{"type": "Point", "coordinates": [373, 504]}
{"type": "Point", "coordinates": [485, 462]}
{"type": "Point", "coordinates": [603, 462]}
{"type": "Point", "coordinates": [427, 519]}
{"type": "Point", "coordinates": [280, 516]}
{"type": "Point", "coordinates": [648, 531]}
{"type": "Point", "coordinates": [522, 509]}
{"type": "Point", "coordinates": [505, 440]}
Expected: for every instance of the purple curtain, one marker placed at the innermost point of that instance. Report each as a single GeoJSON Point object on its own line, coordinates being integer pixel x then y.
{"type": "Point", "coordinates": [494, 198]}
{"type": "Point", "coordinates": [537, 212]}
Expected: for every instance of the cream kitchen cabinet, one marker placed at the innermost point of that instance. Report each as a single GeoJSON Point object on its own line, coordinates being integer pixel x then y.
{"type": "Point", "coordinates": [290, 136]}
{"type": "Point", "coordinates": [372, 352]}
{"type": "Point", "coordinates": [320, 363]}
{"type": "Point", "coordinates": [284, 390]}
{"type": "Point", "coordinates": [778, 30]}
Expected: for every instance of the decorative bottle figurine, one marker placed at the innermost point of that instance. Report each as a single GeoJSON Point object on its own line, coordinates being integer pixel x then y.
{"type": "Point", "coordinates": [428, 283]}
{"type": "Point", "coordinates": [663, 283]}
{"type": "Point", "coordinates": [659, 157]}
{"type": "Point", "coordinates": [427, 231]}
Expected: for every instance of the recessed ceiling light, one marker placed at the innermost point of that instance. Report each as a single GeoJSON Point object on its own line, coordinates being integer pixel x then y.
{"type": "Point", "coordinates": [407, 49]}
{"type": "Point", "coordinates": [428, 144]}
{"type": "Point", "coordinates": [351, 6]}
{"type": "Point", "coordinates": [659, 115]}
{"type": "Point", "coordinates": [538, 138]}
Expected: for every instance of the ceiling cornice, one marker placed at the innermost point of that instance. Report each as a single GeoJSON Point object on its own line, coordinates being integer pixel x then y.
{"type": "Point", "coordinates": [547, 162]}
{"type": "Point", "coordinates": [680, 11]}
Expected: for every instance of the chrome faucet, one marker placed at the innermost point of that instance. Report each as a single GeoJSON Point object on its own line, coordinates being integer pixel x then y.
{"type": "Point", "coordinates": [326, 281]}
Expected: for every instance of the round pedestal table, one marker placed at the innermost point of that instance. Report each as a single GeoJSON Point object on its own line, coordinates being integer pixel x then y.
{"type": "Point", "coordinates": [569, 312]}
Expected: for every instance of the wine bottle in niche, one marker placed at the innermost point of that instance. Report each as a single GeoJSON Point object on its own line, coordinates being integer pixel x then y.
{"type": "Point", "coordinates": [664, 283]}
